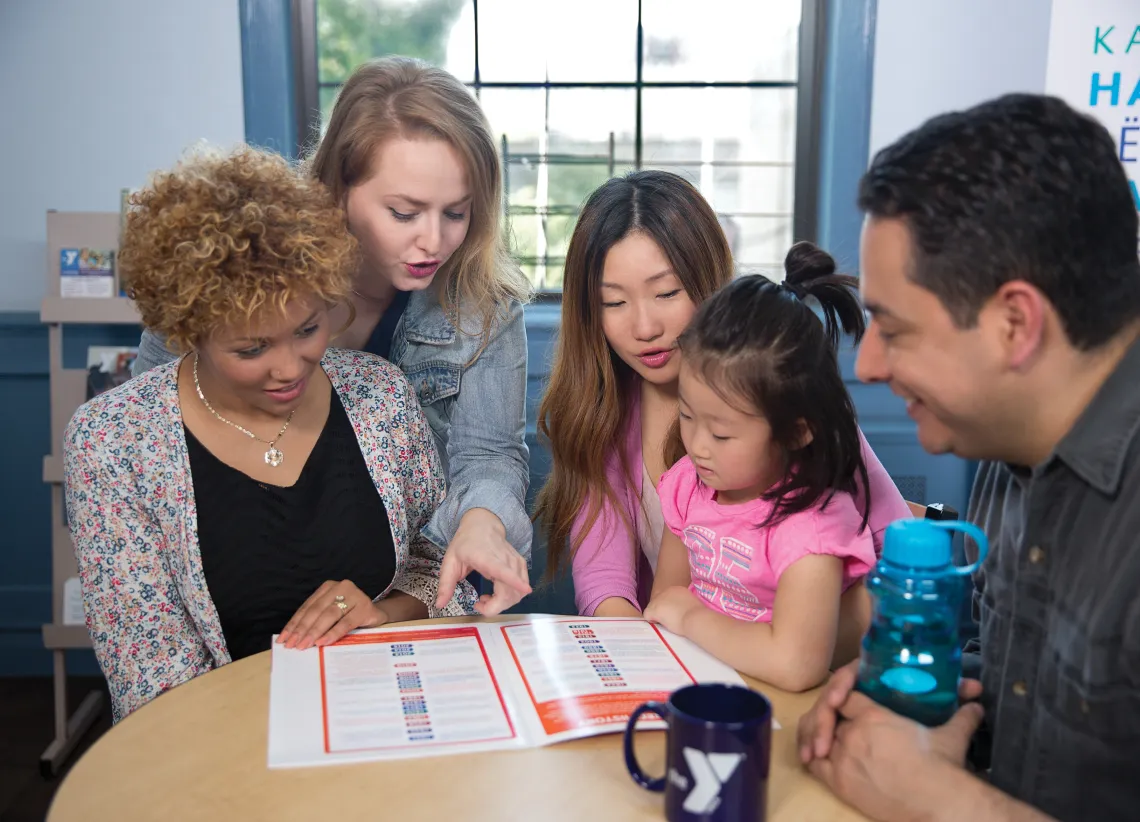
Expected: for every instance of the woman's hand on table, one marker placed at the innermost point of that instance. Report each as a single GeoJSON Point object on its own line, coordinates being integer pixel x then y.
{"type": "Point", "coordinates": [671, 607]}
{"type": "Point", "coordinates": [332, 611]}
{"type": "Point", "coordinates": [481, 545]}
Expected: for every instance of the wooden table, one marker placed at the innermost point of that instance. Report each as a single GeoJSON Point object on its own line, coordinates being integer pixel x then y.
{"type": "Point", "coordinates": [199, 752]}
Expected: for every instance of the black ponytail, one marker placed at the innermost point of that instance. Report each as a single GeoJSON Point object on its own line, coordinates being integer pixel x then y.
{"type": "Point", "coordinates": [809, 271]}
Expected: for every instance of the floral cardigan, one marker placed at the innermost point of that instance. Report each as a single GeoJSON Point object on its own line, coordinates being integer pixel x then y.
{"type": "Point", "coordinates": [130, 505]}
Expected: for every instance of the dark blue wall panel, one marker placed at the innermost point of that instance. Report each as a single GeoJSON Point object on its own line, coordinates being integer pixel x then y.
{"type": "Point", "coordinates": [25, 501]}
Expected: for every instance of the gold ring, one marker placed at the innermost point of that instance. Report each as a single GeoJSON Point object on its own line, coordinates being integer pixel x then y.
{"type": "Point", "coordinates": [339, 598]}
{"type": "Point", "coordinates": [342, 605]}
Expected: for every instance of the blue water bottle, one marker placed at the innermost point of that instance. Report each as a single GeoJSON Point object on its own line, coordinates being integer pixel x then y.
{"type": "Point", "coordinates": [911, 659]}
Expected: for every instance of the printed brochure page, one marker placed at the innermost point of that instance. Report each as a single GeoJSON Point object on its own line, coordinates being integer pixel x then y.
{"type": "Point", "coordinates": [427, 690]}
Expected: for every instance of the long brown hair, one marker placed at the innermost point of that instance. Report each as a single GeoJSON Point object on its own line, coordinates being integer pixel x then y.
{"type": "Point", "coordinates": [585, 411]}
{"type": "Point", "coordinates": [399, 97]}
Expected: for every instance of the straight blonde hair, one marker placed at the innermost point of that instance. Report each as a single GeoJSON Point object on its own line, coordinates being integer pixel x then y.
{"type": "Point", "coordinates": [399, 97]}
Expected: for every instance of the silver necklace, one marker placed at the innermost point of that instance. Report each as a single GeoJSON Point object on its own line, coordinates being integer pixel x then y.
{"type": "Point", "coordinates": [273, 457]}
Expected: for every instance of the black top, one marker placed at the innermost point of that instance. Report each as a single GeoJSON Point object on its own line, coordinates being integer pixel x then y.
{"type": "Point", "coordinates": [380, 341]}
{"type": "Point", "coordinates": [266, 549]}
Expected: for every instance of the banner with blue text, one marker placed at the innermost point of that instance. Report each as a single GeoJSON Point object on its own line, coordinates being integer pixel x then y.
{"type": "Point", "coordinates": [1094, 65]}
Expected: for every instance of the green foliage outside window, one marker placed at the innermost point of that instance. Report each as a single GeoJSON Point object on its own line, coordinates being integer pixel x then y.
{"type": "Point", "coordinates": [350, 32]}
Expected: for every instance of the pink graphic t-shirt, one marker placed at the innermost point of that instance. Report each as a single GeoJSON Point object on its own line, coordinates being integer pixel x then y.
{"type": "Point", "coordinates": [735, 565]}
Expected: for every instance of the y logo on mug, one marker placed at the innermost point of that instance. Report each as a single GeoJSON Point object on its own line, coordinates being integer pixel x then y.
{"type": "Point", "coordinates": [710, 771]}
{"type": "Point", "coordinates": [697, 784]}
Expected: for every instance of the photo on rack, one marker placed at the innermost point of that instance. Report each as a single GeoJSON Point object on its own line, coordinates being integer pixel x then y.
{"type": "Point", "coordinates": [108, 367]}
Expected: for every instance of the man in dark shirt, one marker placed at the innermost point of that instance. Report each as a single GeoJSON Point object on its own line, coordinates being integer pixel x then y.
{"type": "Point", "coordinates": [999, 265]}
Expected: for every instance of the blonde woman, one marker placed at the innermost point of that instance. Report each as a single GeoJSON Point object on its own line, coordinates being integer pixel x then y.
{"type": "Point", "coordinates": [409, 155]}
{"type": "Point", "coordinates": [262, 482]}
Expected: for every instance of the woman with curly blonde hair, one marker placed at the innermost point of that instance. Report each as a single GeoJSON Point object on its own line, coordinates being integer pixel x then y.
{"type": "Point", "coordinates": [409, 155]}
{"type": "Point", "coordinates": [261, 483]}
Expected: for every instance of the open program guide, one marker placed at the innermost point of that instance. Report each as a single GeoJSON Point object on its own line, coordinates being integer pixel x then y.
{"type": "Point", "coordinates": [397, 693]}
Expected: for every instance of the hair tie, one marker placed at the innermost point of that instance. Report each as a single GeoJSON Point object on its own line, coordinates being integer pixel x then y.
{"type": "Point", "coordinates": [797, 291]}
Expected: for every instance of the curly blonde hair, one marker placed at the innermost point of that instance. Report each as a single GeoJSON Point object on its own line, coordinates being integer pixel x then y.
{"type": "Point", "coordinates": [224, 238]}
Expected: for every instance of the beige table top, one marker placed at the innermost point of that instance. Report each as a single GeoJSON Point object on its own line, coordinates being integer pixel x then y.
{"type": "Point", "coordinates": [199, 752]}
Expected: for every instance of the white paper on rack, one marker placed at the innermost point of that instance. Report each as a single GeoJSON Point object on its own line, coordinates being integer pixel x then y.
{"type": "Point", "coordinates": [396, 693]}
{"type": "Point", "coordinates": [73, 603]}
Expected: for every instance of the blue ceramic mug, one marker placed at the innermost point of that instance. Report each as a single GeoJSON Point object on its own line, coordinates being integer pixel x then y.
{"type": "Point", "coordinates": [718, 749]}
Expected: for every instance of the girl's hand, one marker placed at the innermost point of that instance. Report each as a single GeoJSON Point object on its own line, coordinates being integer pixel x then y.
{"type": "Point", "coordinates": [332, 611]}
{"type": "Point", "coordinates": [671, 607]}
{"type": "Point", "coordinates": [481, 545]}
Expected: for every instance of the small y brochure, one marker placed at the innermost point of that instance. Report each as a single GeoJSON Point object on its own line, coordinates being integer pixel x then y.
{"type": "Point", "coordinates": [398, 693]}
{"type": "Point", "coordinates": [86, 272]}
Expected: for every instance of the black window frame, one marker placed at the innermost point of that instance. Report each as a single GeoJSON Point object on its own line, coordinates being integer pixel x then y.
{"type": "Point", "coordinates": [809, 107]}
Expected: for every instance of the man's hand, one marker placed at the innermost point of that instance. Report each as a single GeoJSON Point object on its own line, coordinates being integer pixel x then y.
{"type": "Point", "coordinates": [817, 727]}
{"type": "Point", "coordinates": [890, 767]}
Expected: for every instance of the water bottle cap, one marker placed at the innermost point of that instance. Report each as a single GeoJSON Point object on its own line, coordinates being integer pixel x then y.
{"type": "Point", "coordinates": [917, 543]}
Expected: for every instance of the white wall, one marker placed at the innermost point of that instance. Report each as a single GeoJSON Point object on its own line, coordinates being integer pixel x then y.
{"type": "Point", "coordinates": [933, 56]}
{"type": "Point", "coordinates": [96, 95]}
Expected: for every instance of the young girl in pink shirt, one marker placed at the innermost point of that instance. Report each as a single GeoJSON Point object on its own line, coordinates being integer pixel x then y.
{"type": "Point", "coordinates": [763, 534]}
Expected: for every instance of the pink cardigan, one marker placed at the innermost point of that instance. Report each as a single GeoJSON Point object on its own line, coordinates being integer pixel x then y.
{"type": "Point", "coordinates": [609, 563]}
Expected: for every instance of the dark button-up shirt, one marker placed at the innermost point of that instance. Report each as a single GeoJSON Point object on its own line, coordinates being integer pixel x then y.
{"type": "Point", "coordinates": [1058, 604]}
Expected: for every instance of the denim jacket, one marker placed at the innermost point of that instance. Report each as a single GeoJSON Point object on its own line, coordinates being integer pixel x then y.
{"type": "Point", "coordinates": [477, 410]}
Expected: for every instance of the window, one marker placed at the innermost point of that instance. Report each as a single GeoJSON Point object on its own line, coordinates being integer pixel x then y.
{"type": "Point", "coordinates": [719, 91]}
